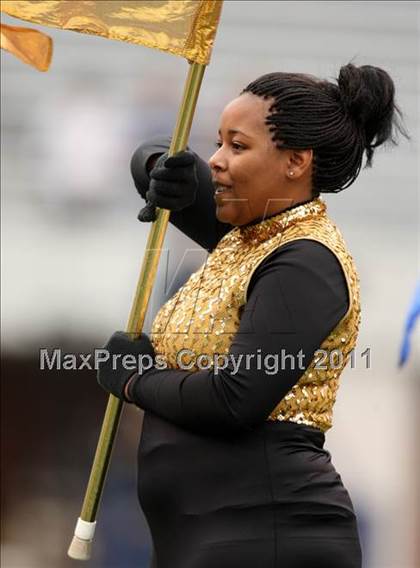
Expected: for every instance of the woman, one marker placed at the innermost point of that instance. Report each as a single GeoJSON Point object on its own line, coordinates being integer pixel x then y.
{"type": "Point", "coordinates": [232, 469]}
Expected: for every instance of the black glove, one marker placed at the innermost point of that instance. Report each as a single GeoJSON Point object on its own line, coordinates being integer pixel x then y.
{"type": "Point", "coordinates": [135, 356]}
{"type": "Point", "coordinates": [173, 184]}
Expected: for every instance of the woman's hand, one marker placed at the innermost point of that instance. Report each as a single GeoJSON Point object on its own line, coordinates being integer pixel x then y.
{"type": "Point", "coordinates": [127, 359]}
{"type": "Point", "coordinates": [173, 184]}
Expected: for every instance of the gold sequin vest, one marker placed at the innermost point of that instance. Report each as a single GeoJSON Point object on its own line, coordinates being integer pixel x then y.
{"type": "Point", "coordinates": [203, 316]}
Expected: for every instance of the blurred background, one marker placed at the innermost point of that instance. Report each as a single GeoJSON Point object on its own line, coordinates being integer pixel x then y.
{"type": "Point", "coordinates": [72, 248]}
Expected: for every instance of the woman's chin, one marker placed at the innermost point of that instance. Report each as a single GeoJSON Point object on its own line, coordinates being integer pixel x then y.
{"type": "Point", "coordinates": [231, 216]}
{"type": "Point", "coordinates": [224, 215]}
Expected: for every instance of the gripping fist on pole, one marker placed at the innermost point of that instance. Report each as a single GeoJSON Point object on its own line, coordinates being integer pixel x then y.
{"type": "Point", "coordinates": [173, 182]}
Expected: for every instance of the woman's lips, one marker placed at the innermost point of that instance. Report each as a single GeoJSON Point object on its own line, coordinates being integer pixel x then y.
{"type": "Point", "coordinates": [221, 189]}
{"type": "Point", "coordinates": [221, 194]}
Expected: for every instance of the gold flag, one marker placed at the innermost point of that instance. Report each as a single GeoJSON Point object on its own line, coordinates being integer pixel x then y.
{"type": "Point", "coordinates": [31, 46]}
{"type": "Point", "coordinates": [183, 27]}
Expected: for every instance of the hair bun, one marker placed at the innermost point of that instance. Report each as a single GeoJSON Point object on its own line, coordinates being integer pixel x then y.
{"type": "Point", "coordinates": [367, 94]}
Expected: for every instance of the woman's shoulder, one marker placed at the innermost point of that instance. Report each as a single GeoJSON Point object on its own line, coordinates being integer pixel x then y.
{"type": "Point", "coordinates": [303, 253]}
{"type": "Point", "coordinates": [303, 266]}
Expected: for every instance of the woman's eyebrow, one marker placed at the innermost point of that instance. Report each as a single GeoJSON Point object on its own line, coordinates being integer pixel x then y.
{"type": "Point", "coordinates": [236, 131]}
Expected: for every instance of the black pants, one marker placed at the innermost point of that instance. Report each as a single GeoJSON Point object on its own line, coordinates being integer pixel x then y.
{"type": "Point", "coordinates": [266, 499]}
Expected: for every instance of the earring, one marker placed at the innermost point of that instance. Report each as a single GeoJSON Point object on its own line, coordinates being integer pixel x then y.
{"type": "Point", "coordinates": [291, 173]}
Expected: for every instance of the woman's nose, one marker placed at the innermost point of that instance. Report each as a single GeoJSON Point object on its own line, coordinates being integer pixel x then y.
{"type": "Point", "coordinates": [217, 161]}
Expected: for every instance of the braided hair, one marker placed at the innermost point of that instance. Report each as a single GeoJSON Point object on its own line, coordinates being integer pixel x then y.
{"type": "Point", "coordinates": [339, 122]}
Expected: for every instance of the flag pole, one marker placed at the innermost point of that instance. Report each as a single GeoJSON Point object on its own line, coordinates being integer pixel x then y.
{"type": "Point", "coordinates": [80, 547]}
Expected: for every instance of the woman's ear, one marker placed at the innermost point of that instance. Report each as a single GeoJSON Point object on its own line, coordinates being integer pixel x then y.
{"type": "Point", "coordinates": [299, 162]}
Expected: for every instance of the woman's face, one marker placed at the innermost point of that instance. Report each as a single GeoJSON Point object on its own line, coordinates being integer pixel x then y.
{"type": "Point", "coordinates": [251, 175]}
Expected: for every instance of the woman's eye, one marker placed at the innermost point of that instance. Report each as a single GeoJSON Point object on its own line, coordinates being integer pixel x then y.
{"type": "Point", "coordinates": [235, 145]}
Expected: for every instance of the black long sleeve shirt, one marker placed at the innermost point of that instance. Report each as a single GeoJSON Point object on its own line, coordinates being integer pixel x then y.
{"type": "Point", "coordinates": [296, 297]}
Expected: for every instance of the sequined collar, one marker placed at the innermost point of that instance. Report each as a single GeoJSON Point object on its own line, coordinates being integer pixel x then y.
{"type": "Point", "coordinates": [278, 223]}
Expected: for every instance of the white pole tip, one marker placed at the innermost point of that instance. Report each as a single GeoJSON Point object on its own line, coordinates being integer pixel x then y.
{"type": "Point", "coordinates": [79, 548]}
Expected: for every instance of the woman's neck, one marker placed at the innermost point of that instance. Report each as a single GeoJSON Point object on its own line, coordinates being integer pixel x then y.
{"type": "Point", "coordinates": [283, 210]}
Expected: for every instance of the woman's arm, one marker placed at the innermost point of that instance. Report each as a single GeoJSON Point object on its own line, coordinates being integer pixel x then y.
{"type": "Point", "coordinates": [198, 221]}
{"type": "Point", "coordinates": [297, 296]}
